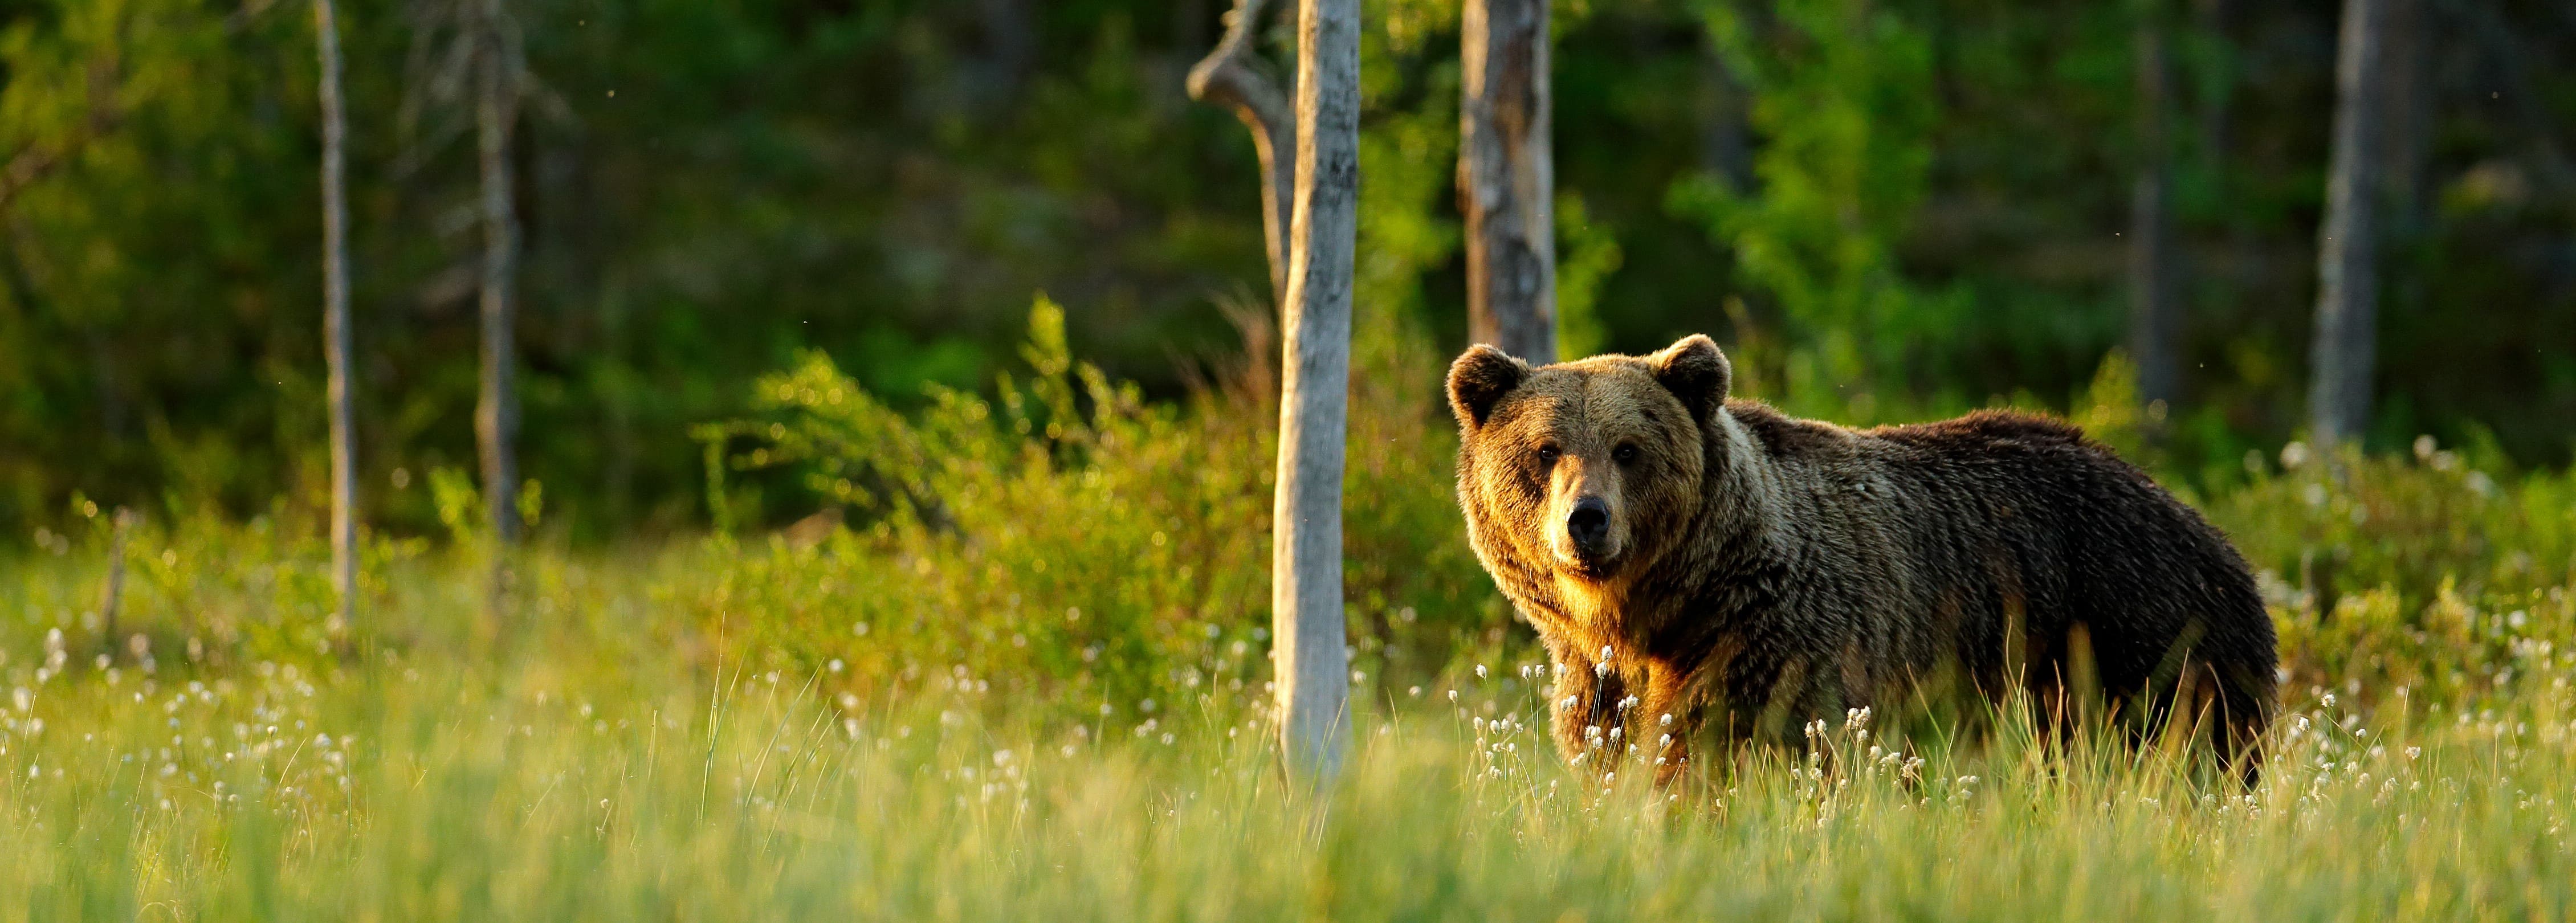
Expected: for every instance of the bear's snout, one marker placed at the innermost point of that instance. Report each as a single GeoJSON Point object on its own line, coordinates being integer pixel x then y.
{"type": "Point", "coordinates": [1589, 527]}
{"type": "Point", "coordinates": [1586, 535]}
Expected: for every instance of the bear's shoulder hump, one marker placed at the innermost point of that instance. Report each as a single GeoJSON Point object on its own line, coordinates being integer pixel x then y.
{"type": "Point", "coordinates": [1989, 428]}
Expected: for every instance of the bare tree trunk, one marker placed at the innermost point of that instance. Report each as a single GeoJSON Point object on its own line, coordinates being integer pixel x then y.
{"type": "Point", "coordinates": [1507, 178]}
{"type": "Point", "coordinates": [1010, 46]}
{"type": "Point", "coordinates": [335, 316]}
{"type": "Point", "coordinates": [1306, 519]}
{"type": "Point", "coordinates": [114, 601]}
{"type": "Point", "coordinates": [1231, 76]}
{"type": "Point", "coordinates": [2405, 132]}
{"type": "Point", "coordinates": [2347, 241]}
{"type": "Point", "coordinates": [2215, 20]}
{"type": "Point", "coordinates": [2155, 321]}
{"type": "Point", "coordinates": [1725, 146]}
{"type": "Point", "coordinates": [496, 412]}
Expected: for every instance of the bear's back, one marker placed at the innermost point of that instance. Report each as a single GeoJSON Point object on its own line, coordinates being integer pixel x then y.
{"type": "Point", "coordinates": [2085, 537]}
{"type": "Point", "coordinates": [1985, 431]}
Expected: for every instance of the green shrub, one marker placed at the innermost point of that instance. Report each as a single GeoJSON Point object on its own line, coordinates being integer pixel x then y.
{"type": "Point", "coordinates": [2421, 571]}
{"type": "Point", "coordinates": [1067, 542]}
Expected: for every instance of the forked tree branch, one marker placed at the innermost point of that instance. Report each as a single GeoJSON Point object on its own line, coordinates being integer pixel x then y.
{"type": "Point", "coordinates": [1228, 77]}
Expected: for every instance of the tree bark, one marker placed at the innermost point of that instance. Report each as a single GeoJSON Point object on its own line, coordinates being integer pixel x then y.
{"type": "Point", "coordinates": [335, 315]}
{"type": "Point", "coordinates": [1306, 516]}
{"type": "Point", "coordinates": [496, 412]}
{"type": "Point", "coordinates": [2347, 240]}
{"type": "Point", "coordinates": [1726, 145]}
{"type": "Point", "coordinates": [2155, 320]}
{"type": "Point", "coordinates": [1507, 178]}
{"type": "Point", "coordinates": [1010, 46]}
{"type": "Point", "coordinates": [114, 600]}
{"type": "Point", "coordinates": [1230, 76]}
{"type": "Point", "coordinates": [2406, 129]}
{"type": "Point", "coordinates": [2215, 20]}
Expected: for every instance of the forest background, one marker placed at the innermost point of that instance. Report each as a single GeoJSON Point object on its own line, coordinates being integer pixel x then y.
{"type": "Point", "coordinates": [1887, 210]}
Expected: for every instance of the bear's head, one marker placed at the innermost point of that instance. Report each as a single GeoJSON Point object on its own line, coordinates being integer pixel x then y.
{"type": "Point", "coordinates": [1592, 469]}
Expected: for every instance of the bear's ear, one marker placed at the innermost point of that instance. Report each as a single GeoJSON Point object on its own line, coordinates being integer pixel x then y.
{"type": "Point", "coordinates": [1479, 379]}
{"type": "Point", "coordinates": [1695, 371]}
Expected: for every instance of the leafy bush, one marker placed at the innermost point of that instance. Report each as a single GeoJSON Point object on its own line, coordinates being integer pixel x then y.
{"type": "Point", "coordinates": [1068, 542]}
{"type": "Point", "coordinates": [2425, 572]}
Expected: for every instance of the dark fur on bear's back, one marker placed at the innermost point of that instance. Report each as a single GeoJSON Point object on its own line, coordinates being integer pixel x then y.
{"type": "Point", "coordinates": [1753, 569]}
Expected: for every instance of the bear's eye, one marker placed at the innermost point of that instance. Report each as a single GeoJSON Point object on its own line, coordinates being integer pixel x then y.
{"type": "Point", "coordinates": [1547, 454]}
{"type": "Point", "coordinates": [1624, 454]}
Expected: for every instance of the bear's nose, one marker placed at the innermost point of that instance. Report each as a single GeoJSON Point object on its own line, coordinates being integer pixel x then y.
{"type": "Point", "coordinates": [1589, 524]}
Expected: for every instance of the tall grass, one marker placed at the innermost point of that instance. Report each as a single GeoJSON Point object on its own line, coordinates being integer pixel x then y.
{"type": "Point", "coordinates": [1024, 680]}
{"type": "Point", "coordinates": [553, 785]}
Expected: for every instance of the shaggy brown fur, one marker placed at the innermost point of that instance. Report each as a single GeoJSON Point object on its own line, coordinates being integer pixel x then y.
{"type": "Point", "coordinates": [1741, 566]}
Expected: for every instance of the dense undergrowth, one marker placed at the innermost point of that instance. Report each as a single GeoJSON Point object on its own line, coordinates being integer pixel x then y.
{"type": "Point", "coordinates": [1023, 678]}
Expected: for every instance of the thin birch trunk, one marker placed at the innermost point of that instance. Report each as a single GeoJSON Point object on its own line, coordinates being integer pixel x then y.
{"type": "Point", "coordinates": [335, 316]}
{"type": "Point", "coordinates": [2412, 32]}
{"type": "Point", "coordinates": [1306, 519]}
{"type": "Point", "coordinates": [1507, 178]}
{"type": "Point", "coordinates": [496, 412]}
{"type": "Point", "coordinates": [2347, 240]}
{"type": "Point", "coordinates": [113, 602]}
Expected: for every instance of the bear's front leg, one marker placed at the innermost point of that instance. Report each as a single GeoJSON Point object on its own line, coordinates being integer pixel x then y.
{"type": "Point", "coordinates": [1663, 723]}
{"type": "Point", "coordinates": [1584, 713]}
{"type": "Point", "coordinates": [1607, 718]}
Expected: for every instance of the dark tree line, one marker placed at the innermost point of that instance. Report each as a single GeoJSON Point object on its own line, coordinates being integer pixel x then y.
{"type": "Point", "coordinates": [698, 190]}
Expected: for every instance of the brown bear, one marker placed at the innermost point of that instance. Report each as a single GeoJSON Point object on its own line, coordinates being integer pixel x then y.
{"type": "Point", "coordinates": [1690, 560]}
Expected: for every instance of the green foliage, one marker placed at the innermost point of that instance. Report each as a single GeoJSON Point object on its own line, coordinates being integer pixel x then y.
{"type": "Point", "coordinates": [1022, 676]}
{"type": "Point", "coordinates": [459, 504]}
{"type": "Point", "coordinates": [1591, 253]}
{"type": "Point", "coordinates": [1837, 94]}
{"type": "Point", "coordinates": [2110, 413]}
{"type": "Point", "coordinates": [1070, 542]}
{"type": "Point", "coordinates": [2408, 524]}
{"type": "Point", "coordinates": [635, 754]}
{"type": "Point", "coordinates": [1916, 202]}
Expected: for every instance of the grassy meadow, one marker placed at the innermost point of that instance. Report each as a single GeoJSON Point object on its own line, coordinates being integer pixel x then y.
{"type": "Point", "coordinates": [1023, 679]}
